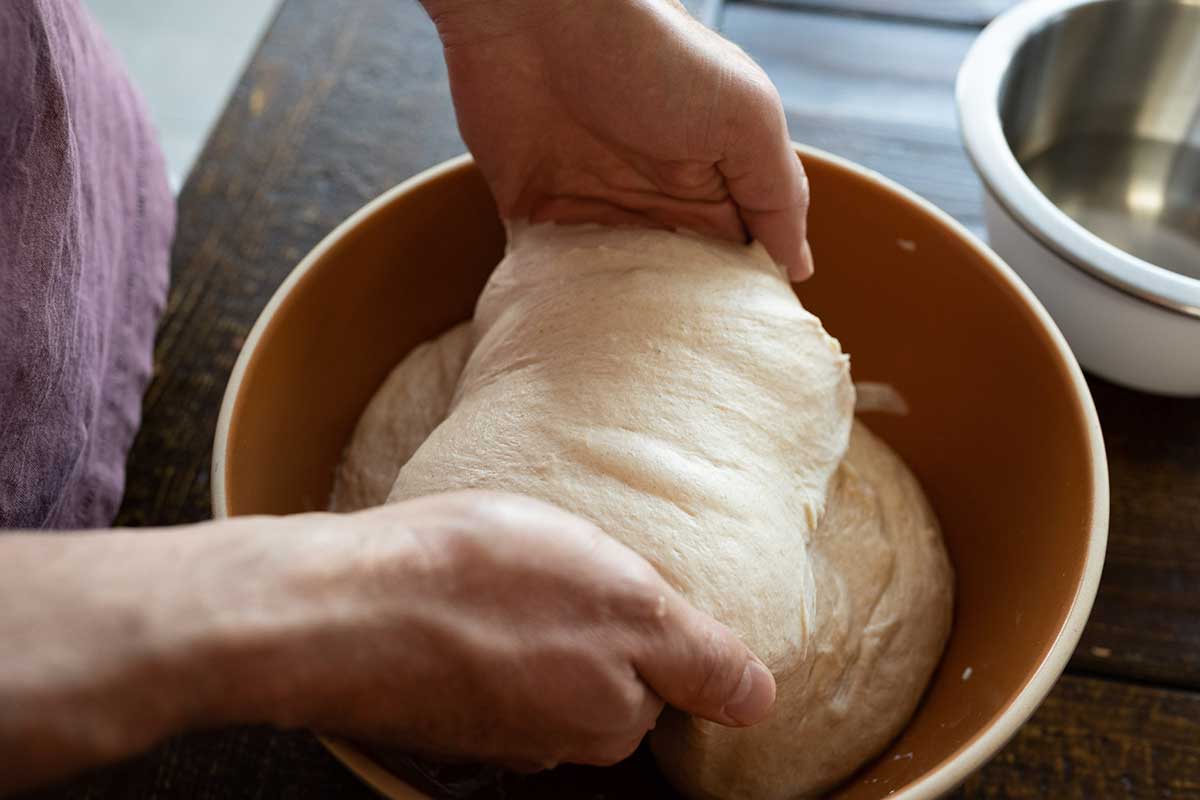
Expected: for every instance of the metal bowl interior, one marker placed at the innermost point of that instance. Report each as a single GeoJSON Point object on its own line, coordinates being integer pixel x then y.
{"type": "Point", "coordinates": [1083, 118]}
{"type": "Point", "coordinates": [1101, 107]}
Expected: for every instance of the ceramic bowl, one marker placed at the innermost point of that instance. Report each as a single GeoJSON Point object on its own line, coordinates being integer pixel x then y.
{"type": "Point", "coordinates": [1001, 430]}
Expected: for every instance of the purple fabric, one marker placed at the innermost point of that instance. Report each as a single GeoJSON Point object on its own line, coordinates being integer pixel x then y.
{"type": "Point", "coordinates": [86, 219]}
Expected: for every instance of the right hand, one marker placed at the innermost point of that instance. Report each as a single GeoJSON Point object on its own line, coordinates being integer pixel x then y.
{"type": "Point", "coordinates": [623, 113]}
{"type": "Point", "coordinates": [498, 628]}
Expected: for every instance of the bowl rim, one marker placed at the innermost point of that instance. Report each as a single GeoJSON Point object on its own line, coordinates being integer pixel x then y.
{"type": "Point", "coordinates": [980, 79]}
{"type": "Point", "coordinates": [310, 260]}
{"type": "Point", "coordinates": [960, 764]}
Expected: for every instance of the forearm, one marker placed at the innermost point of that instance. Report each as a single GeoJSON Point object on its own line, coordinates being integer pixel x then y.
{"type": "Point", "coordinates": [115, 640]}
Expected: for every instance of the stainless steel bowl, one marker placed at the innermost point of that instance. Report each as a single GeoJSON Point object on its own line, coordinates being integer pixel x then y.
{"type": "Point", "coordinates": [1083, 119]}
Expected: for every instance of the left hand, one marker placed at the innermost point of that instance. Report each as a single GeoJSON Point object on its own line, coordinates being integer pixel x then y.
{"type": "Point", "coordinates": [623, 112]}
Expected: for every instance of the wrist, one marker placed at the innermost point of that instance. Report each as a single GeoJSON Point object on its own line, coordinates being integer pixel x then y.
{"type": "Point", "coordinates": [237, 617]}
{"type": "Point", "coordinates": [208, 600]}
{"type": "Point", "coordinates": [316, 594]}
{"type": "Point", "coordinates": [185, 620]}
{"type": "Point", "coordinates": [97, 632]}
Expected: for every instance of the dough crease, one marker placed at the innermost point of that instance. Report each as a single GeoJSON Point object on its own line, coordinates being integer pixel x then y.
{"type": "Point", "coordinates": [673, 390]}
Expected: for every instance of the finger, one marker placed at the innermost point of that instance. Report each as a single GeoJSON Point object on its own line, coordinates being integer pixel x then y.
{"type": "Point", "coordinates": [603, 752]}
{"type": "Point", "coordinates": [652, 708]}
{"type": "Point", "coordinates": [807, 265]}
{"type": "Point", "coordinates": [767, 181]}
{"type": "Point", "coordinates": [590, 210]}
{"type": "Point", "coordinates": [719, 220]}
{"type": "Point", "coordinates": [698, 665]}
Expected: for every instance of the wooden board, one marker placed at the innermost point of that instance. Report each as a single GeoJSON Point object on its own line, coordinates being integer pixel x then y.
{"type": "Point", "coordinates": [851, 87]}
{"type": "Point", "coordinates": [1146, 622]}
{"type": "Point", "coordinates": [864, 70]}
{"type": "Point", "coordinates": [347, 97]}
{"type": "Point", "coordinates": [336, 106]}
{"type": "Point", "coordinates": [1091, 738]}
{"type": "Point", "coordinates": [1098, 738]}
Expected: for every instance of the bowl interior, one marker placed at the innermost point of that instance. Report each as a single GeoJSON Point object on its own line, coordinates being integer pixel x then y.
{"type": "Point", "coordinates": [998, 433]}
{"type": "Point", "coordinates": [1101, 106]}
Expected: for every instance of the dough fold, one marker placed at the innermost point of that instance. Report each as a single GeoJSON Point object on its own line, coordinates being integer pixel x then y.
{"type": "Point", "coordinates": [673, 390]}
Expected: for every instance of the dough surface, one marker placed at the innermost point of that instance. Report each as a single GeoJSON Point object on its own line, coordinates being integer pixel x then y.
{"type": "Point", "coordinates": [405, 409]}
{"type": "Point", "coordinates": [882, 584]}
{"type": "Point", "coordinates": [673, 390]}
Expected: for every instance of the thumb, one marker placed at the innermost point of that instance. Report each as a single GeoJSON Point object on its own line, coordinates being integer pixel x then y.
{"type": "Point", "coordinates": [700, 666]}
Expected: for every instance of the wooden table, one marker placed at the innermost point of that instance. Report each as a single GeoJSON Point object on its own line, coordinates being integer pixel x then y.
{"type": "Point", "coordinates": [345, 98]}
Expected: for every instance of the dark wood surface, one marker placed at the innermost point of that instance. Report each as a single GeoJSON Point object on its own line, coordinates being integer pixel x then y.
{"type": "Point", "coordinates": [880, 92]}
{"type": "Point", "coordinates": [1145, 624]}
{"type": "Point", "coordinates": [341, 101]}
{"type": "Point", "coordinates": [1100, 738]}
{"type": "Point", "coordinates": [1090, 739]}
{"type": "Point", "coordinates": [345, 98]}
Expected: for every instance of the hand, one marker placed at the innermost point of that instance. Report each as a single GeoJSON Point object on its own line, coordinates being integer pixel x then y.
{"type": "Point", "coordinates": [479, 625]}
{"type": "Point", "coordinates": [499, 628]}
{"type": "Point", "coordinates": [624, 112]}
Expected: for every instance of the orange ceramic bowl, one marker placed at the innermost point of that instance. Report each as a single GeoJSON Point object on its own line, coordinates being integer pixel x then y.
{"type": "Point", "coordinates": [1002, 431]}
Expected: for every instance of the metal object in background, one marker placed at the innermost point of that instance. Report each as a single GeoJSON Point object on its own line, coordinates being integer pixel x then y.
{"type": "Point", "coordinates": [1083, 119]}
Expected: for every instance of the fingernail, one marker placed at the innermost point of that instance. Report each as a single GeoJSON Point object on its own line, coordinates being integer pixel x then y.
{"type": "Point", "coordinates": [754, 696]}
{"type": "Point", "coordinates": [804, 269]}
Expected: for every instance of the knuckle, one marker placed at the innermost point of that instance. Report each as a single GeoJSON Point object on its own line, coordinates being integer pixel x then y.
{"type": "Point", "coordinates": [643, 579]}
{"type": "Point", "coordinates": [614, 723]}
{"type": "Point", "coordinates": [491, 506]}
{"type": "Point", "coordinates": [632, 701]}
{"type": "Point", "coordinates": [769, 94]}
{"type": "Point", "coordinates": [624, 708]}
{"type": "Point", "coordinates": [759, 86]}
{"type": "Point", "coordinates": [642, 595]}
{"type": "Point", "coordinates": [621, 710]}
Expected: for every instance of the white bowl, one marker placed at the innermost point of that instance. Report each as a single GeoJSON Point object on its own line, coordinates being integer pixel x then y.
{"type": "Point", "coordinates": [1069, 74]}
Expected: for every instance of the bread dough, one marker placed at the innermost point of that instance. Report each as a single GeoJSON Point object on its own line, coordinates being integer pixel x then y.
{"type": "Point", "coordinates": [411, 403]}
{"type": "Point", "coordinates": [882, 585]}
{"type": "Point", "coordinates": [673, 390]}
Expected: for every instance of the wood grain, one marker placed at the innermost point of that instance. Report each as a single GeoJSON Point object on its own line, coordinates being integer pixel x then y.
{"type": "Point", "coordinates": [1090, 739]}
{"type": "Point", "coordinates": [347, 97]}
{"type": "Point", "coordinates": [1097, 738]}
{"type": "Point", "coordinates": [854, 89]}
{"type": "Point", "coordinates": [1146, 620]}
{"type": "Point", "coordinates": [862, 70]}
{"type": "Point", "coordinates": [341, 101]}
